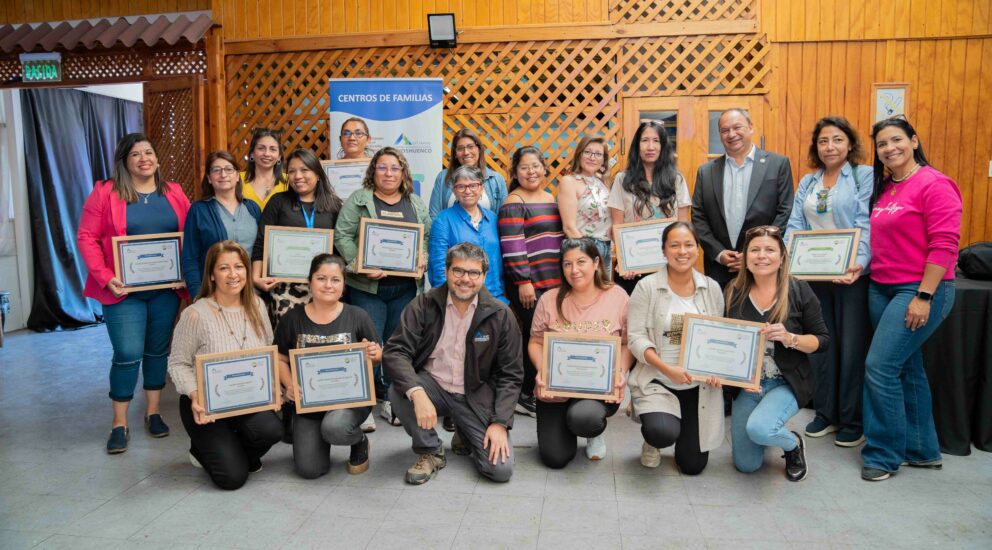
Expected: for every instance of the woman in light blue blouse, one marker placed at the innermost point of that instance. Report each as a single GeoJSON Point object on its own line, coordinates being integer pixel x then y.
{"type": "Point", "coordinates": [836, 196]}
{"type": "Point", "coordinates": [467, 150]}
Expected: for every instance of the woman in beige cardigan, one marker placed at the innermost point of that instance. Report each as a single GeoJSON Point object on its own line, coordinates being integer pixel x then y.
{"type": "Point", "coordinates": [670, 406]}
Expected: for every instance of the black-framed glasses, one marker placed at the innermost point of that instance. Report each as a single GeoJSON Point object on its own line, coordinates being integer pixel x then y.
{"type": "Point", "coordinates": [593, 155]}
{"type": "Point", "coordinates": [472, 274]}
{"type": "Point", "coordinates": [356, 133]}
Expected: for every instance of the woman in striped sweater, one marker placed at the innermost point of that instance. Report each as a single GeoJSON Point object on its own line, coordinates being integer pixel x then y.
{"type": "Point", "coordinates": [530, 236]}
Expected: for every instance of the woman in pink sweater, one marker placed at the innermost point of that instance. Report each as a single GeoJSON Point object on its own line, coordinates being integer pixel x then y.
{"type": "Point", "coordinates": [915, 228]}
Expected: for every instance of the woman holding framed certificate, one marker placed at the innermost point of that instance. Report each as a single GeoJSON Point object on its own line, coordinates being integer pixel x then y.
{"type": "Point", "coordinates": [651, 187]}
{"type": "Point", "coordinates": [530, 237]}
{"type": "Point", "coordinates": [223, 214]}
{"type": "Point", "coordinates": [582, 197]}
{"type": "Point", "coordinates": [136, 201]}
{"type": "Point", "coordinates": [325, 321]}
{"type": "Point", "coordinates": [834, 197]}
{"type": "Point", "coordinates": [915, 230]}
{"type": "Point", "coordinates": [672, 407]}
{"type": "Point", "coordinates": [765, 293]}
{"type": "Point", "coordinates": [467, 150]}
{"type": "Point", "coordinates": [264, 178]}
{"type": "Point", "coordinates": [586, 304]}
{"type": "Point", "coordinates": [226, 317]}
{"type": "Point", "coordinates": [386, 194]}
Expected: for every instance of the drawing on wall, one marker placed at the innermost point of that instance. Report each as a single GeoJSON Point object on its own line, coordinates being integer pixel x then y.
{"type": "Point", "coordinates": [890, 100]}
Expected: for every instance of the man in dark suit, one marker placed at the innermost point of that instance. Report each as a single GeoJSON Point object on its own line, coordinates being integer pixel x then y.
{"type": "Point", "coordinates": [745, 188]}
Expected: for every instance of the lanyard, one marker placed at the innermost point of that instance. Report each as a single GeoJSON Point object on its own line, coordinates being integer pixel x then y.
{"type": "Point", "coordinates": [308, 219]}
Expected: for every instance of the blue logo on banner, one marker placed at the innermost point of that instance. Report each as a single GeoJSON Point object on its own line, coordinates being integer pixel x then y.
{"type": "Point", "coordinates": [402, 140]}
{"type": "Point", "coordinates": [385, 99]}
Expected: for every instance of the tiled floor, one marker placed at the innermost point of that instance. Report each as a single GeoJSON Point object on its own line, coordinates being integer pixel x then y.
{"type": "Point", "coordinates": [58, 489]}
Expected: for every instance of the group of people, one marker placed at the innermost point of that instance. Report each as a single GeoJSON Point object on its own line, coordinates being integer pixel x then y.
{"type": "Point", "coordinates": [464, 354]}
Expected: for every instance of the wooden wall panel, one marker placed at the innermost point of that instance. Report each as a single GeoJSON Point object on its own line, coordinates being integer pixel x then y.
{"type": "Point", "coordinates": [31, 11]}
{"type": "Point", "coordinates": [949, 80]}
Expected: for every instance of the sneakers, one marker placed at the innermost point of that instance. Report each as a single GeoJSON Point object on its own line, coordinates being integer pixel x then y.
{"type": "Point", "coordinates": [117, 443]}
{"type": "Point", "coordinates": [194, 461]}
{"type": "Point", "coordinates": [820, 427]}
{"type": "Point", "coordinates": [156, 426]}
{"type": "Point", "coordinates": [596, 447]}
{"type": "Point", "coordinates": [795, 461]}
{"type": "Point", "coordinates": [358, 462]}
{"type": "Point", "coordinates": [426, 467]}
{"type": "Point", "coordinates": [849, 438]}
{"type": "Point", "coordinates": [527, 405]}
{"type": "Point", "coordinates": [874, 474]}
{"type": "Point", "coordinates": [387, 412]}
{"type": "Point", "coordinates": [459, 446]}
{"type": "Point", "coordinates": [368, 426]}
{"type": "Point", "coordinates": [935, 464]}
{"type": "Point", "coordinates": [650, 456]}
{"type": "Point", "coordinates": [448, 424]}
{"type": "Point", "coordinates": [254, 465]}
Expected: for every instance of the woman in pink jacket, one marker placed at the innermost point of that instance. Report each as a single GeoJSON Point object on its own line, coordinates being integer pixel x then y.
{"type": "Point", "coordinates": [137, 201]}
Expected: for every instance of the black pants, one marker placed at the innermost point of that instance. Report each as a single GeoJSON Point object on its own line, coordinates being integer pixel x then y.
{"type": "Point", "coordinates": [839, 370]}
{"type": "Point", "coordinates": [662, 430]}
{"type": "Point", "coordinates": [558, 424]}
{"type": "Point", "coordinates": [314, 433]}
{"type": "Point", "coordinates": [627, 284]}
{"type": "Point", "coordinates": [524, 318]}
{"type": "Point", "coordinates": [226, 447]}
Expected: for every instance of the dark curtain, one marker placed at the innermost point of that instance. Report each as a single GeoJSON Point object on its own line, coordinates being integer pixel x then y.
{"type": "Point", "coordinates": [69, 140]}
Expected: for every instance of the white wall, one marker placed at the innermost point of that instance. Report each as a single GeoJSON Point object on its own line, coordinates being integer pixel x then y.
{"type": "Point", "coordinates": [131, 92]}
{"type": "Point", "coordinates": [16, 269]}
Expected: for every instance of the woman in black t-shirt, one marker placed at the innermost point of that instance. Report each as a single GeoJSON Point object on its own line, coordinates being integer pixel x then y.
{"type": "Point", "coordinates": [326, 321]}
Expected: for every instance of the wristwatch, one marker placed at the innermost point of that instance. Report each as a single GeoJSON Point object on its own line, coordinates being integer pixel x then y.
{"type": "Point", "coordinates": [925, 296]}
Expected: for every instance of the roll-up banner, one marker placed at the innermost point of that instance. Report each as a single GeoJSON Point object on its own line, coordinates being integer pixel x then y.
{"type": "Point", "coordinates": [404, 113]}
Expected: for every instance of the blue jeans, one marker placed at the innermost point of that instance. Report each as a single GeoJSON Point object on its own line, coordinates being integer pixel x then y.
{"type": "Point", "coordinates": [385, 308]}
{"type": "Point", "coordinates": [758, 421]}
{"type": "Point", "coordinates": [898, 415]}
{"type": "Point", "coordinates": [140, 329]}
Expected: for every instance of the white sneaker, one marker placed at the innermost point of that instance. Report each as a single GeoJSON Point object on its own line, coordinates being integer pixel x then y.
{"type": "Point", "coordinates": [386, 411]}
{"type": "Point", "coordinates": [369, 425]}
{"type": "Point", "coordinates": [650, 456]}
{"type": "Point", "coordinates": [596, 447]}
{"type": "Point", "coordinates": [195, 462]}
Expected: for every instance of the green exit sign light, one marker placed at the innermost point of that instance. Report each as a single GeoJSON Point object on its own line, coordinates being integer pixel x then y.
{"type": "Point", "coordinates": [41, 67]}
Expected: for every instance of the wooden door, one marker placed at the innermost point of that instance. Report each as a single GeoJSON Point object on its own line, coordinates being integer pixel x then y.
{"type": "Point", "coordinates": [175, 121]}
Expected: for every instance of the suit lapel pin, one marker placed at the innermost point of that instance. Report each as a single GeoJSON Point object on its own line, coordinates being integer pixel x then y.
{"type": "Point", "coordinates": [761, 160]}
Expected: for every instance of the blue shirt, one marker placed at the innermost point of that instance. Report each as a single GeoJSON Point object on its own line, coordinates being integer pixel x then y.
{"type": "Point", "coordinates": [204, 227]}
{"type": "Point", "coordinates": [736, 183]}
{"type": "Point", "coordinates": [443, 196]}
{"type": "Point", "coordinates": [454, 225]}
{"type": "Point", "coordinates": [151, 213]}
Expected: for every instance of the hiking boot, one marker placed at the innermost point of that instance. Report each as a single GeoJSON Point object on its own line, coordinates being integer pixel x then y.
{"type": "Point", "coordinates": [425, 468]}
{"type": "Point", "coordinates": [459, 446]}
{"type": "Point", "coordinates": [358, 462]}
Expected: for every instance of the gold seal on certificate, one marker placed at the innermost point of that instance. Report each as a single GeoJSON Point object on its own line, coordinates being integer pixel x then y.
{"type": "Point", "coordinates": [581, 366]}
{"type": "Point", "coordinates": [729, 349]}
{"type": "Point", "coordinates": [639, 245]}
{"type": "Point", "coordinates": [389, 246]}
{"type": "Point", "coordinates": [332, 377]}
{"type": "Point", "coordinates": [238, 382]}
{"type": "Point", "coordinates": [823, 255]}
{"type": "Point", "coordinates": [288, 251]}
{"type": "Point", "coordinates": [148, 262]}
{"type": "Point", "coordinates": [346, 176]}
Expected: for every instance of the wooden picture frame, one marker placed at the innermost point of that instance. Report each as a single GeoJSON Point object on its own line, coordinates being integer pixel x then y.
{"type": "Point", "coordinates": [648, 229]}
{"type": "Point", "coordinates": [300, 275]}
{"type": "Point", "coordinates": [889, 100]}
{"type": "Point", "coordinates": [334, 352]}
{"type": "Point", "coordinates": [345, 175]}
{"type": "Point", "coordinates": [846, 256]}
{"type": "Point", "coordinates": [744, 337]}
{"type": "Point", "coordinates": [586, 344]}
{"type": "Point", "coordinates": [412, 235]}
{"type": "Point", "coordinates": [171, 248]}
{"type": "Point", "coordinates": [235, 359]}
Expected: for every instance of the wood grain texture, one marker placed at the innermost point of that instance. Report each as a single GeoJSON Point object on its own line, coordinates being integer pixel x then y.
{"type": "Point", "coordinates": [31, 11]}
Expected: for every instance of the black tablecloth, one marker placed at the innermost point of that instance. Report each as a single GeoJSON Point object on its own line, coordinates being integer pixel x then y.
{"type": "Point", "coordinates": [958, 361]}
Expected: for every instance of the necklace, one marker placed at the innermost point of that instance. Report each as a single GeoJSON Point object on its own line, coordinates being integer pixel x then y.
{"type": "Point", "coordinates": [902, 179]}
{"type": "Point", "coordinates": [244, 333]}
{"type": "Point", "coordinates": [144, 196]}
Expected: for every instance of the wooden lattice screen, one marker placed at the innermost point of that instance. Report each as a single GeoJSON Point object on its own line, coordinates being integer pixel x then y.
{"type": "Point", "coordinates": [174, 121]}
{"type": "Point", "coordinates": [630, 11]}
{"type": "Point", "coordinates": [512, 94]}
{"type": "Point", "coordinates": [117, 66]}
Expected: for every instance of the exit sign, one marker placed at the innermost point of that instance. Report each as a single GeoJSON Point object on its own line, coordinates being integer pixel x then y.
{"type": "Point", "coordinates": [41, 67]}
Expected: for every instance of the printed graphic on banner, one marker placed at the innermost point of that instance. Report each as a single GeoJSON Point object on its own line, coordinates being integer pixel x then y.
{"type": "Point", "coordinates": [404, 113]}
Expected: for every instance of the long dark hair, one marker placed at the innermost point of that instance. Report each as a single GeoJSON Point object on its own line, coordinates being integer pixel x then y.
{"type": "Point", "coordinates": [277, 168]}
{"type": "Point", "coordinates": [123, 185]}
{"type": "Point", "coordinates": [856, 152]}
{"type": "Point", "coordinates": [453, 158]}
{"type": "Point", "coordinates": [588, 247]}
{"type": "Point", "coordinates": [518, 155]}
{"type": "Point", "coordinates": [248, 298]}
{"type": "Point", "coordinates": [325, 199]}
{"type": "Point", "coordinates": [881, 173]}
{"type": "Point", "coordinates": [664, 176]}
{"type": "Point", "coordinates": [206, 189]}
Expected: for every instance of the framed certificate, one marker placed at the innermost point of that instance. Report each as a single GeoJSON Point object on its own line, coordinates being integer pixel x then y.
{"type": "Point", "coordinates": [823, 255]}
{"type": "Point", "coordinates": [345, 175]}
{"type": "Point", "coordinates": [581, 366]}
{"type": "Point", "coordinates": [332, 377]}
{"type": "Point", "coordinates": [148, 262]}
{"type": "Point", "coordinates": [288, 251]}
{"type": "Point", "coordinates": [390, 246]}
{"type": "Point", "coordinates": [237, 382]}
{"type": "Point", "coordinates": [728, 349]}
{"type": "Point", "coordinates": [639, 245]}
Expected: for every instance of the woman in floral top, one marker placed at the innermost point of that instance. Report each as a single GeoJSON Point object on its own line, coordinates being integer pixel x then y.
{"type": "Point", "coordinates": [582, 197]}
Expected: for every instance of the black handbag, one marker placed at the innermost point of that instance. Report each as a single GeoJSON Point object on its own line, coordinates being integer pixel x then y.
{"type": "Point", "coordinates": [975, 261]}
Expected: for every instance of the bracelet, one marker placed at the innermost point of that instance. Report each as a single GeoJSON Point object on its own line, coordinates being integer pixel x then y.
{"type": "Point", "coordinates": [794, 342]}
